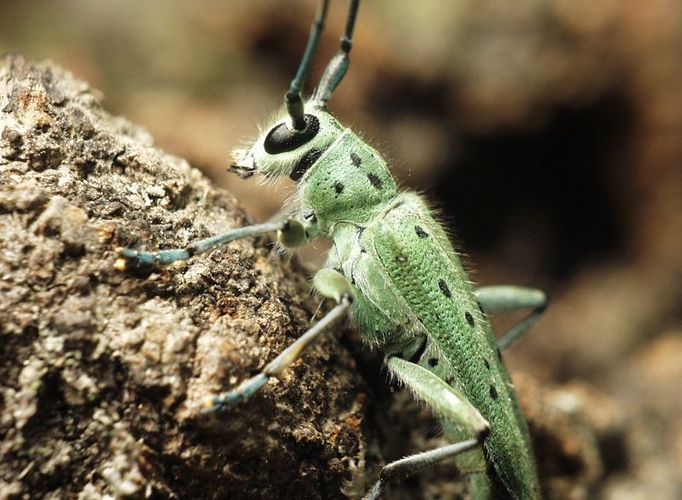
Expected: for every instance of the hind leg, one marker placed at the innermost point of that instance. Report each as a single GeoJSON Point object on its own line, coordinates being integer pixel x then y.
{"type": "Point", "coordinates": [445, 402]}
{"type": "Point", "coordinates": [504, 298]}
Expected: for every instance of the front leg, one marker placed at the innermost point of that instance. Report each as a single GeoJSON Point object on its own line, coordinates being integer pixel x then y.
{"type": "Point", "coordinates": [447, 403]}
{"type": "Point", "coordinates": [290, 233]}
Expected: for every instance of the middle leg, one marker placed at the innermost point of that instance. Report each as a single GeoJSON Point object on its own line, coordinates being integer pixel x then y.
{"type": "Point", "coordinates": [329, 283]}
{"type": "Point", "coordinates": [245, 390]}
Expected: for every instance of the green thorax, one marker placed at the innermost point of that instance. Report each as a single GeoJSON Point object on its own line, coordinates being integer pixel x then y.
{"type": "Point", "coordinates": [349, 182]}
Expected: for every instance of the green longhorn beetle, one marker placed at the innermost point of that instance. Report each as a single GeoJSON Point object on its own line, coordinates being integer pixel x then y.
{"type": "Point", "coordinates": [394, 270]}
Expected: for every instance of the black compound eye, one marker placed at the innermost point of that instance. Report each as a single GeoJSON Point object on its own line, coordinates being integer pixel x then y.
{"type": "Point", "coordinates": [282, 139]}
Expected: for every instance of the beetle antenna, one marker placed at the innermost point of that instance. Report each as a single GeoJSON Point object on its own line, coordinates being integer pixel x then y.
{"type": "Point", "coordinates": [338, 66]}
{"type": "Point", "coordinates": [292, 99]}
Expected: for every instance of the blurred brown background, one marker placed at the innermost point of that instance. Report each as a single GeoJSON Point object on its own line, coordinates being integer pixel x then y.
{"type": "Point", "coordinates": [548, 132]}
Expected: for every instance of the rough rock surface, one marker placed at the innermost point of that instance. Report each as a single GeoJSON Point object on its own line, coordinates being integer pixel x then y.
{"type": "Point", "coordinates": [101, 372]}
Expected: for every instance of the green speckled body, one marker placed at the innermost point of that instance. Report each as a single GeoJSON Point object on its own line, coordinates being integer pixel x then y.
{"type": "Point", "coordinates": [393, 268]}
{"type": "Point", "coordinates": [412, 296]}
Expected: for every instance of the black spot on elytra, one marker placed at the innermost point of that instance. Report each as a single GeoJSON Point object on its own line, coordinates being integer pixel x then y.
{"type": "Point", "coordinates": [493, 392]}
{"type": "Point", "coordinates": [486, 363]}
{"type": "Point", "coordinates": [420, 232]}
{"type": "Point", "coordinates": [375, 181]}
{"type": "Point", "coordinates": [357, 161]}
{"type": "Point", "coordinates": [338, 187]}
{"type": "Point", "coordinates": [433, 362]}
{"type": "Point", "coordinates": [469, 318]}
{"type": "Point", "coordinates": [480, 307]}
{"type": "Point", "coordinates": [444, 288]}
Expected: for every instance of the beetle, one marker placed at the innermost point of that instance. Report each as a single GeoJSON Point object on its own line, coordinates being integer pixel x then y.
{"type": "Point", "coordinates": [393, 269]}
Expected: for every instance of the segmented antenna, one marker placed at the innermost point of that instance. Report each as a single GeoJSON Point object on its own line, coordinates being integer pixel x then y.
{"type": "Point", "coordinates": [337, 67]}
{"type": "Point", "coordinates": [292, 99]}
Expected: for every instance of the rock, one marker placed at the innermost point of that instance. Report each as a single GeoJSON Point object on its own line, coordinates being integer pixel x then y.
{"type": "Point", "coordinates": [102, 372]}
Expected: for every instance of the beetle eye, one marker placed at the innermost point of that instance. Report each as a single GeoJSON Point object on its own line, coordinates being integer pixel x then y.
{"type": "Point", "coordinates": [282, 139]}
